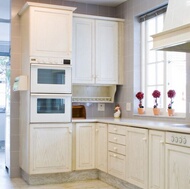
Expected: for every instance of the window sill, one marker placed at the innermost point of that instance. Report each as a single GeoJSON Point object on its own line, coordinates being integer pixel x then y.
{"type": "Point", "coordinates": [161, 116]}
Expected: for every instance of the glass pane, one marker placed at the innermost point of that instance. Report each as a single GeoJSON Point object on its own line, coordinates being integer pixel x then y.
{"type": "Point", "coordinates": [162, 96]}
{"type": "Point", "coordinates": [160, 73]}
{"type": "Point", "coordinates": [51, 76]}
{"type": "Point", "coordinates": [149, 98]}
{"type": "Point", "coordinates": [50, 106]}
{"type": "Point", "coordinates": [177, 83]}
{"type": "Point", "coordinates": [151, 54]}
{"type": "Point", "coordinates": [151, 28]}
{"type": "Point", "coordinates": [151, 74]}
{"type": "Point", "coordinates": [160, 56]}
{"type": "Point", "coordinates": [5, 9]}
{"type": "Point", "coordinates": [160, 23]}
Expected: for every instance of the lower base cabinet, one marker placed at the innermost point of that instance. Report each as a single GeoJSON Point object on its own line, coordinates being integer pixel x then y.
{"type": "Point", "coordinates": [101, 147]}
{"type": "Point", "coordinates": [177, 167]}
{"type": "Point", "coordinates": [50, 148]}
{"type": "Point", "coordinates": [137, 157]}
{"type": "Point", "coordinates": [156, 159]}
{"type": "Point", "coordinates": [85, 146]}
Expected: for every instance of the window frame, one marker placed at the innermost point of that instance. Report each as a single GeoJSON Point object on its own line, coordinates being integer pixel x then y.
{"type": "Point", "coordinates": [144, 84]}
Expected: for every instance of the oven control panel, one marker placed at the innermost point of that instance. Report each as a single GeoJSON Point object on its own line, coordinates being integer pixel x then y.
{"type": "Point", "coordinates": [178, 139]}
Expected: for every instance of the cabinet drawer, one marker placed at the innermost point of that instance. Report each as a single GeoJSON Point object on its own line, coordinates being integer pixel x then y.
{"type": "Point", "coordinates": [119, 139]}
{"type": "Point", "coordinates": [117, 148]}
{"type": "Point", "coordinates": [116, 165]}
{"type": "Point", "coordinates": [117, 129]}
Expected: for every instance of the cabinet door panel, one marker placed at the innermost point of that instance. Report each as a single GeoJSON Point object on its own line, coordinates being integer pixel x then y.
{"type": "Point", "coordinates": [137, 157]}
{"type": "Point", "coordinates": [106, 52]}
{"type": "Point", "coordinates": [177, 167]}
{"type": "Point", "coordinates": [156, 159]}
{"type": "Point", "coordinates": [101, 147]}
{"type": "Point", "coordinates": [50, 32]}
{"type": "Point", "coordinates": [85, 146]}
{"type": "Point", "coordinates": [50, 148]}
{"type": "Point", "coordinates": [83, 50]}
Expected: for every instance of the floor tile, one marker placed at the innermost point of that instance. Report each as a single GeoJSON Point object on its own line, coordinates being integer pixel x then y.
{"type": "Point", "coordinates": [18, 183]}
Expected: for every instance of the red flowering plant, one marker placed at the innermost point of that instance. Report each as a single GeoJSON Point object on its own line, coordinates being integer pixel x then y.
{"type": "Point", "coordinates": [171, 94]}
{"type": "Point", "coordinates": [156, 94]}
{"type": "Point", "coordinates": [140, 96]}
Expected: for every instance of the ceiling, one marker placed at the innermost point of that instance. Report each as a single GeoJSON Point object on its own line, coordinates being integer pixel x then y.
{"type": "Point", "coordinates": [112, 3]}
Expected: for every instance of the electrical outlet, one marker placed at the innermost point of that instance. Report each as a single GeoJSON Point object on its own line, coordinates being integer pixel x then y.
{"type": "Point", "coordinates": [128, 106]}
{"type": "Point", "coordinates": [101, 107]}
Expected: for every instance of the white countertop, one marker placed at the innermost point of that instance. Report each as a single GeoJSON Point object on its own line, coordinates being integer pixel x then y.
{"type": "Point", "coordinates": [156, 125]}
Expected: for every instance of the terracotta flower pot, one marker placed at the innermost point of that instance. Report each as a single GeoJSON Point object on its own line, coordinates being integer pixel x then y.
{"type": "Point", "coordinates": [171, 112]}
{"type": "Point", "coordinates": [140, 110]}
{"type": "Point", "coordinates": [156, 111]}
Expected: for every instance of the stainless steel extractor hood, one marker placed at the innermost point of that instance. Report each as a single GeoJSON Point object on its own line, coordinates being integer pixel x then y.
{"type": "Point", "coordinates": [176, 32]}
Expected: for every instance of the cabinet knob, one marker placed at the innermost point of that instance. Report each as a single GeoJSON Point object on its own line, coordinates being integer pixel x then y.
{"type": "Point", "coordinates": [161, 142]}
{"type": "Point", "coordinates": [180, 140]}
{"type": "Point", "coordinates": [144, 139]}
{"type": "Point", "coordinates": [70, 131]}
{"type": "Point", "coordinates": [97, 130]}
{"type": "Point", "coordinates": [115, 129]}
{"type": "Point", "coordinates": [184, 141]}
{"type": "Point", "coordinates": [115, 148]}
{"type": "Point", "coordinates": [115, 155]}
{"type": "Point", "coordinates": [115, 138]}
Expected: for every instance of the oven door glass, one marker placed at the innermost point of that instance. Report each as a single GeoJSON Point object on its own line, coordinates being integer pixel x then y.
{"type": "Point", "coordinates": [50, 79]}
{"type": "Point", "coordinates": [50, 108]}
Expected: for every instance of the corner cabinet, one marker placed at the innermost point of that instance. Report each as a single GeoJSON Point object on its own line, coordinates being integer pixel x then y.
{"type": "Point", "coordinates": [46, 30]}
{"type": "Point", "coordinates": [101, 147]}
{"type": "Point", "coordinates": [85, 146]}
{"type": "Point", "coordinates": [50, 148]}
{"type": "Point", "coordinates": [137, 157]}
{"type": "Point", "coordinates": [95, 50]}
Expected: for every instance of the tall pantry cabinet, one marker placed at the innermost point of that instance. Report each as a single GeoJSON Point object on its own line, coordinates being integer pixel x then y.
{"type": "Point", "coordinates": [46, 35]}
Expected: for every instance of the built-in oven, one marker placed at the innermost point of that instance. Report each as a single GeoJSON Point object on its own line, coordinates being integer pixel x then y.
{"type": "Point", "coordinates": [51, 108]}
{"type": "Point", "coordinates": [49, 78]}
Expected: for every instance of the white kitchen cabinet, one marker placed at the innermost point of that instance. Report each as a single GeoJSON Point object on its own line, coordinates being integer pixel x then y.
{"type": "Point", "coordinates": [95, 51]}
{"type": "Point", "coordinates": [101, 147]}
{"type": "Point", "coordinates": [137, 157]}
{"type": "Point", "coordinates": [46, 30]}
{"type": "Point", "coordinates": [85, 146]}
{"type": "Point", "coordinates": [177, 167]}
{"type": "Point", "coordinates": [116, 150]}
{"type": "Point", "coordinates": [156, 159]}
{"type": "Point", "coordinates": [50, 148]}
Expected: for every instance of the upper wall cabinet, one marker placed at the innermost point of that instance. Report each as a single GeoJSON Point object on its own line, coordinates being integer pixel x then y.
{"type": "Point", "coordinates": [96, 50]}
{"type": "Point", "coordinates": [46, 30]}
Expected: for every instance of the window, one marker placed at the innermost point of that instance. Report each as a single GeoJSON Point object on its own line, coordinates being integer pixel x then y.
{"type": "Point", "coordinates": [161, 70]}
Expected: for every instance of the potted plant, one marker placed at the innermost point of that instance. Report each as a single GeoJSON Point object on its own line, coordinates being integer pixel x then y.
{"type": "Point", "coordinates": [156, 94]}
{"type": "Point", "coordinates": [140, 96]}
{"type": "Point", "coordinates": [171, 95]}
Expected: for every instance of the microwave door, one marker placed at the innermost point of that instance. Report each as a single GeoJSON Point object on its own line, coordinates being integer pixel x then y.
{"type": "Point", "coordinates": [50, 108]}
{"type": "Point", "coordinates": [50, 79]}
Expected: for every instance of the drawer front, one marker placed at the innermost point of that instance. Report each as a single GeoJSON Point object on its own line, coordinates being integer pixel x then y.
{"type": "Point", "coordinates": [119, 139]}
{"type": "Point", "coordinates": [117, 129]}
{"type": "Point", "coordinates": [116, 165]}
{"type": "Point", "coordinates": [116, 148]}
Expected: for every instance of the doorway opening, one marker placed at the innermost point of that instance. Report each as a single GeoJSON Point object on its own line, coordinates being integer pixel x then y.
{"type": "Point", "coordinates": [5, 15]}
{"type": "Point", "coordinates": [4, 103]}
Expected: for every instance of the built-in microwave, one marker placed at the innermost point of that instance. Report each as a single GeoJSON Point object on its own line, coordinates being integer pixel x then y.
{"type": "Point", "coordinates": [50, 78]}
{"type": "Point", "coordinates": [52, 108]}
